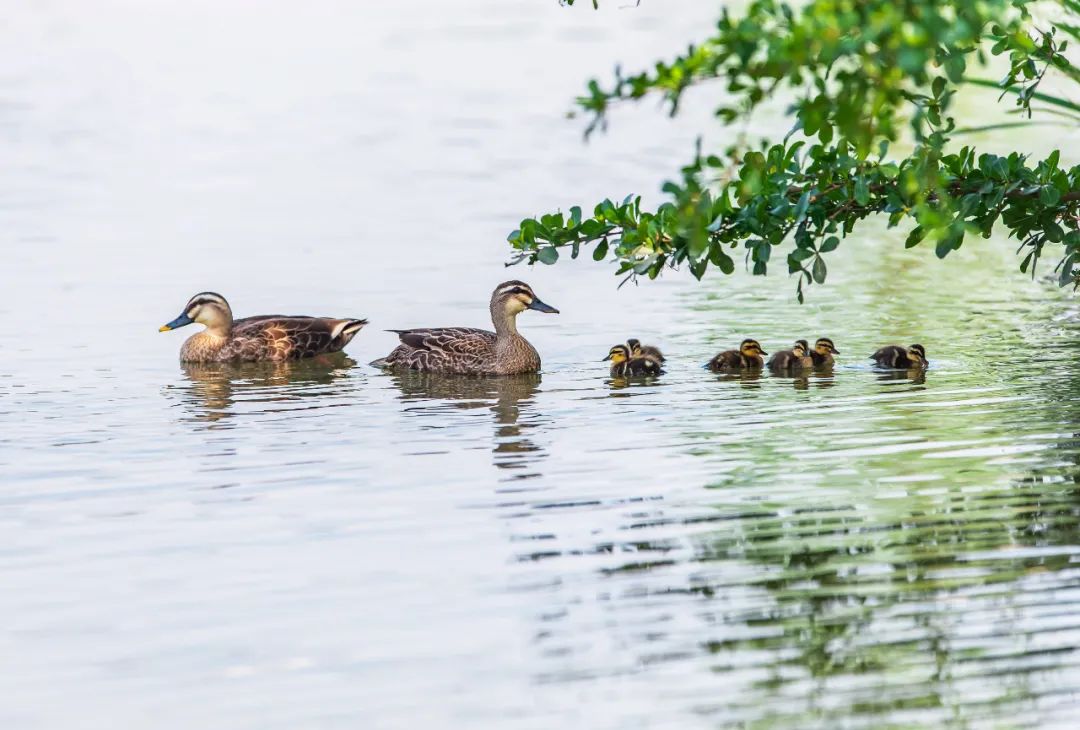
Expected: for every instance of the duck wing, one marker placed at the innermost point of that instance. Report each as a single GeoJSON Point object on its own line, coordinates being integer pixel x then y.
{"type": "Point", "coordinates": [456, 340]}
{"type": "Point", "coordinates": [280, 337]}
{"type": "Point", "coordinates": [726, 359]}
{"type": "Point", "coordinates": [781, 360]}
{"type": "Point", "coordinates": [447, 349]}
{"type": "Point", "coordinates": [892, 356]}
{"type": "Point", "coordinates": [645, 366]}
{"type": "Point", "coordinates": [653, 353]}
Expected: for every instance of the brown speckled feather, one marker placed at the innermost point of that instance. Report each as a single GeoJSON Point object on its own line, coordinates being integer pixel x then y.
{"type": "Point", "coordinates": [461, 350]}
{"type": "Point", "coordinates": [273, 337]}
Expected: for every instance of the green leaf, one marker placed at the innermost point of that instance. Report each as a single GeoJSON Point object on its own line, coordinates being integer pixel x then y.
{"type": "Point", "coordinates": [862, 191]}
{"type": "Point", "coordinates": [547, 255]}
{"type": "Point", "coordinates": [802, 206]}
{"type": "Point", "coordinates": [915, 237]}
{"type": "Point", "coordinates": [829, 244]}
{"type": "Point", "coordinates": [819, 270]}
{"type": "Point", "coordinates": [720, 259]}
{"type": "Point", "coordinates": [591, 227]}
{"type": "Point", "coordinates": [955, 67]}
{"type": "Point", "coordinates": [1024, 264]}
{"type": "Point", "coordinates": [1066, 275]}
{"type": "Point", "coordinates": [1049, 196]}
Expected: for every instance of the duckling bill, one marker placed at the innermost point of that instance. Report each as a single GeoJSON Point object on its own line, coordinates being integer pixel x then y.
{"type": "Point", "coordinates": [749, 356]}
{"type": "Point", "coordinates": [900, 358]}
{"type": "Point", "coordinates": [625, 364]}
{"type": "Point", "coordinates": [274, 338]}
{"type": "Point", "coordinates": [469, 351]}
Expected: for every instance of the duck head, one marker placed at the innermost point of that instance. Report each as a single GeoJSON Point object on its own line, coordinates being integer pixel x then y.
{"type": "Point", "coordinates": [514, 297]}
{"type": "Point", "coordinates": [825, 346]}
{"type": "Point", "coordinates": [618, 355]}
{"type": "Point", "coordinates": [751, 348]}
{"type": "Point", "coordinates": [206, 308]}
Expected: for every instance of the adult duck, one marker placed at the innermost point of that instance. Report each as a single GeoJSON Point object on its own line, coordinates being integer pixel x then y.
{"type": "Point", "coordinates": [273, 337]}
{"type": "Point", "coordinates": [469, 351]}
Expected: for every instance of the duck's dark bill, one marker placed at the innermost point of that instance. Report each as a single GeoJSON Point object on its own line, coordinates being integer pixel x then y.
{"type": "Point", "coordinates": [539, 306]}
{"type": "Point", "coordinates": [180, 321]}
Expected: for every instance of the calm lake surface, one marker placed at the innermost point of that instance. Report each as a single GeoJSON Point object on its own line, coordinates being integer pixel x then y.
{"type": "Point", "coordinates": [325, 546]}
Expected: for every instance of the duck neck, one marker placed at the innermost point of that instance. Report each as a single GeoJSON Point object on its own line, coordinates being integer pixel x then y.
{"type": "Point", "coordinates": [505, 322]}
{"type": "Point", "coordinates": [219, 329]}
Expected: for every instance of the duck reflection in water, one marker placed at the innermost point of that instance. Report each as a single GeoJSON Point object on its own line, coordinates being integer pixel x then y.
{"type": "Point", "coordinates": [213, 390]}
{"type": "Point", "coordinates": [510, 399]}
{"type": "Point", "coordinates": [915, 376]}
{"type": "Point", "coordinates": [820, 377]}
{"type": "Point", "coordinates": [745, 378]}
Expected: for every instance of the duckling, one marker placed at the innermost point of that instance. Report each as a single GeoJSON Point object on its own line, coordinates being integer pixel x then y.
{"type": "Point", "coordinates": [897, 358]}
{"type": "Point", "coordinates": [823, 351]}
{"type": "Point", "coordinates": [748, 356]}
{"type": "Point", "coordinates": [639, 350]}
{"type": "Point", "coordinates": [624, 363]}
{"type": "Point", "coordinates": [796, 358]}
{"type": "Point", "coordinates": [468, 351]}
{"type": "Point", "coordinates": [265, 338]}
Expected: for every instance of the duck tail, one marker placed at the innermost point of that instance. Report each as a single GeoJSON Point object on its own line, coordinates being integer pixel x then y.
{"type": "Point", "coordinates": [345, 330]}
{"type": "Point", "coordinates": [353, 326]}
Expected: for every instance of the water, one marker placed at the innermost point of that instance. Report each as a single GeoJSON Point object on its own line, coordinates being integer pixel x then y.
{"type": "Point", "coordinates": [322, 545]}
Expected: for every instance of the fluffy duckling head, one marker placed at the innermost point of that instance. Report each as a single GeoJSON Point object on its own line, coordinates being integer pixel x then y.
{"type": "Point", "coordinates": [799, 348]}
{"type": "Point", "coordinates": [825, 346]}
{"type": "Point", "coordinates": [917, 353]}
{"type": "Point", "coordinates": [514, 297]}
{"type": "Point", "coordinates": [634, 345]}
{"type": "Point", "coordinates": [207, 308]}
{"type": "Point", "coordinates": [751, 348]}
{"type": "Point", "coordinates": [805, 345]}
{"type": "Point", "coordinates": [618, 355]}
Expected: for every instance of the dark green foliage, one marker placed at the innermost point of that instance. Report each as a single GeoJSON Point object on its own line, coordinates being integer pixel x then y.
{"type": "Point", "coordinates": [863, 74]}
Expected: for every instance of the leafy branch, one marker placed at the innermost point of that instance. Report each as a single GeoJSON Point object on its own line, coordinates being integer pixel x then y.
{"type": "Point", "coordinates": [861, 72]}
